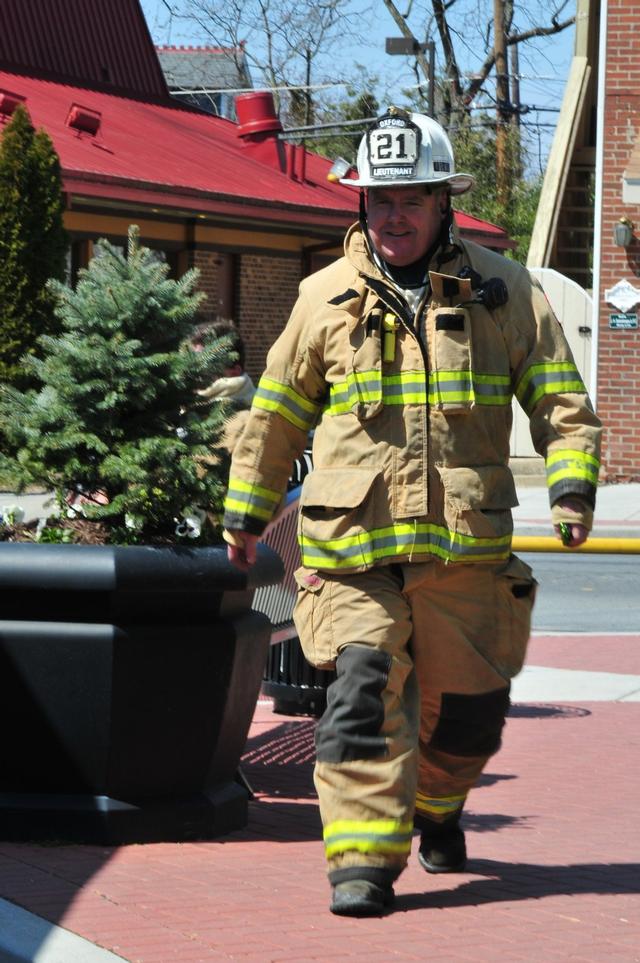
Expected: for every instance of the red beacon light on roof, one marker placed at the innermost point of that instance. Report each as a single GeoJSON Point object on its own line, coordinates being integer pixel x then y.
{"type": "Point", "coordinates": [84, 120]}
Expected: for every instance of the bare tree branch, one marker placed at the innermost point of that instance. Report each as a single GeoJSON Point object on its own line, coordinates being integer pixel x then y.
{"type": "Point", "coordinates": [540, 31]}
{"type": "Point", "coordinates": [456, 42]}
{"type": "Point", "coordinates": [281, 41]}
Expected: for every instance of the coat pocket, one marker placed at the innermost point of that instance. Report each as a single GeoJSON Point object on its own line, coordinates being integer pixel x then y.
{"type": "Point", "coordinates": [451, 380]}
{"type": "Point", "coordinates": [336, 518]}
{"type": "Point", "coordinates": [313, 620]}
{"type": "Point", "coordinates": [364, 378]}
{"type": "Point", "coordinates": [478, 501]}
{"type": "Point", "coordinates": [515, 597]}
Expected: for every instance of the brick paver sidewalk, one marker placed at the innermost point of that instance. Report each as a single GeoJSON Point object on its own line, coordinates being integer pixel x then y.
{"type": "Point", "coordinates": [553, 875]}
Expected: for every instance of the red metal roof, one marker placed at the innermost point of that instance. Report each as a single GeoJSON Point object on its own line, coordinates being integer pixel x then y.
{"type": "Point", "coordinates": [165, 156]}
{"type": "Point", "coordinates": [97, 56]}
{"type": "Point", "coordinates": [165, 148]}
{"type": "Point", "coordinates": [92, 43]}
{"type": "Point", "coordinates": [472, 224]}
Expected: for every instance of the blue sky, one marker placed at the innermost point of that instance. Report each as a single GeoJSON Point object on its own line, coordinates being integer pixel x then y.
{"type": "Point", "coordinates": [544, 63]}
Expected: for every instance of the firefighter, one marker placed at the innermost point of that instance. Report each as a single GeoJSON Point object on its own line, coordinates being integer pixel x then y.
{"type": "Point", "coordinates": [405, 355]}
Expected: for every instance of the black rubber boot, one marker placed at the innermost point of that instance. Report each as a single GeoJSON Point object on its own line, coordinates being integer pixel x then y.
{"type": "Point", "coordinates": [442, 847]}
{"type": "Point", "coordinates": [359, 897]}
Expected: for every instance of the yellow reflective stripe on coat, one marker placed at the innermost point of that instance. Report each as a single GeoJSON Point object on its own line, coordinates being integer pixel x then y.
{"type": "Point", "coordinates": [409, 387]}
{"type": "Point", "coordinates": [548, 378]}
{"type": "Point", "coordinates": [443, 806]}
{"type": "Point", "coordinates": [367, 836]}
{"type": "Point", "coordinates": [280, 398]}
{"type": "Point", "coordinates": [368, 548]}
{"type": "Point", "coordinates": [571, 464]}
{"type": "Point", "coordinates": [255, 500]}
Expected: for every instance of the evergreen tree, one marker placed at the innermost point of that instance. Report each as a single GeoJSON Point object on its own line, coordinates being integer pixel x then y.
{"type": "Point", "coordinates": [33, 241]}
{"type": "Point", "coordinates": [118, 416]}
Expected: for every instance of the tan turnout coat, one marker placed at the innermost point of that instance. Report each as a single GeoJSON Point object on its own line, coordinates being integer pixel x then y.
{"type": "Point", "coordinates": [412, 414]}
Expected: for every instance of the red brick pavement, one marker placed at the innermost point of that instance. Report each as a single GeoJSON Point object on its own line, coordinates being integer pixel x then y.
{"type": "Point", "coordinates": [554, 870]}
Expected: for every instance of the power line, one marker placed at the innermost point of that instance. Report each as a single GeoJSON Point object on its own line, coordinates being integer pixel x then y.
{"type": "Point", "coordinates": [244, 90]}
{"type": "Point", "coordinates": [338, 124]}
{"type": "Point", "coordinates": [320, 131]}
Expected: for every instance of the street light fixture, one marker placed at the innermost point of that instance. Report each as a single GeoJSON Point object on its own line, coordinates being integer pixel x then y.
{"type": "Point", "coordinates": [410, 47]}
{"type": "Point", "coordinates": [623, 232]}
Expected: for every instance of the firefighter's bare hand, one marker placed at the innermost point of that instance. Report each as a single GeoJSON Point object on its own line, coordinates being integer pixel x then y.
{"type": "Point", "coordinates": [242, 552]}
{"type": "Point", "coordinates": [570, 533]}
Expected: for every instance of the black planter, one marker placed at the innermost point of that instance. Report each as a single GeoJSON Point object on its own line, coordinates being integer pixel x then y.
{"type": "Point", "coordinates": [128, 681]}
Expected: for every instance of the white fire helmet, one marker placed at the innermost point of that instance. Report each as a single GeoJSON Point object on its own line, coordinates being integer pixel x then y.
{"type": "Point", "coordinates": [404, 148]}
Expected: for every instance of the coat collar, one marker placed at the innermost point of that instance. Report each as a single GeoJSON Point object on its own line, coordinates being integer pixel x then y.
{"type": "Point", "coordinates": [359, 255]}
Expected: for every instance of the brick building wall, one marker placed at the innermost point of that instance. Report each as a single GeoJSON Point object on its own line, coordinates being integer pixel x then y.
{"type": "Point", "coordinates": [618, 390]}
{"type": "Point", "coordinates": [208, 264]}
{"type": "Point", "coordinates": [266, 289]}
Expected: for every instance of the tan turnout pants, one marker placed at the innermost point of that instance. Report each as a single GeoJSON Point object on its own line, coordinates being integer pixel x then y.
{"type": "Point", "coordinates": [423, 654]}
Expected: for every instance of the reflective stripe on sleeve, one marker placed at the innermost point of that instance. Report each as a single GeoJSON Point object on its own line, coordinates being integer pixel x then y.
{"type": "Point", "coordinates": [569, 464]}
{"type": "Point", "coordinates": [548, 378]}
{"type": "Point", "coordinates": [425, 538]}
{"type": "Point", "coordinates": [244, 498]}
{"type": "Point", "coordinates": [367, 836]}
{"type": "Point", "coordinates": [280, 398]}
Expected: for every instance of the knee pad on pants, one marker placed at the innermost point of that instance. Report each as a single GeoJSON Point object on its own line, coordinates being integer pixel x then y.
{"type": "Point", "coordinates": [471, 725]}
{"type": "Point", "coordinates": [350, 727]}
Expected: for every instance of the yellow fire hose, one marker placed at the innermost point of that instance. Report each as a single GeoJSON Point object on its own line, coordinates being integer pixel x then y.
{"type": "Point", "coordinates": [594, 545]}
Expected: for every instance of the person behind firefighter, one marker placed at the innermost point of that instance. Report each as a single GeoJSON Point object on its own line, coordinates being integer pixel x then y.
{"type": "Point", "coordinates": [405, 354]}
{"type": "Point", "coordinates": [234, 386]}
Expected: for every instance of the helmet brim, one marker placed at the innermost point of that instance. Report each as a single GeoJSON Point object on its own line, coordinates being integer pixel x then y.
{"type": "Point", "coordinates": [458, 183]}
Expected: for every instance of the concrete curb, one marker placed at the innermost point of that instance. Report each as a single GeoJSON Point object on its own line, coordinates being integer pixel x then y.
{"type": "Point", "coordinates": [26, 938]}
{"type": "Point", "coordinates": [544, 685]}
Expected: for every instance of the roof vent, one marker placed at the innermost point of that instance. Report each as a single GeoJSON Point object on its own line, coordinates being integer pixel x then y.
{"type": "Point", "coordinates": [84, 120]}
{"type": "Point", "coordinates": [9, 102]}
{"type": "Point", "coordinates": [256, 113]}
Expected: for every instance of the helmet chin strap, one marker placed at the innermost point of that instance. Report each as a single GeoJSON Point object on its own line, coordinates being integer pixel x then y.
{"type": "Point", "coordinates": [447, 243]}
{"type": "Point", "coordinates": [363, 221]}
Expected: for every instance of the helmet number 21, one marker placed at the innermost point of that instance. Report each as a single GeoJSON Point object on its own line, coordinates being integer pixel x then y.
{"type": "Point", "coordinates": [392, 146]}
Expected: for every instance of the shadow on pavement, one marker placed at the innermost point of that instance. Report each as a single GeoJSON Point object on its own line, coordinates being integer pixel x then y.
{"type": "Point", "coordinates": [279, 762]}
{"type": "Point", "coordinates": [491, 822]}
{"type": "Point", "coordinates": [491, 778]}
{"type": "Point", "coordinates": [508, 882]}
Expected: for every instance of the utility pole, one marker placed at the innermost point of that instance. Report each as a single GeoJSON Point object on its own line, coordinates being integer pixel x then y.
{"type": "Point", "coordinates": [503, 111]}
{"type": "Point", "coordinates": [432, 78]}
{"type": "Point", "coordinates": [515, 85]}
{"type": "Point", "coordinates": [308, 111]}
{"type": "Point", "coordinates": [515, 105]}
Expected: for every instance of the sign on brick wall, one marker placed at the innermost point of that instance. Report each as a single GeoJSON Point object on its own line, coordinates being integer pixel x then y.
{"type": "Point", "coordinates": [624, 321]}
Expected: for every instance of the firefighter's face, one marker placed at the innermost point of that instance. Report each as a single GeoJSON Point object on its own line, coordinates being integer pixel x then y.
{"type": "Point", "coordinates": [404, 222]}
